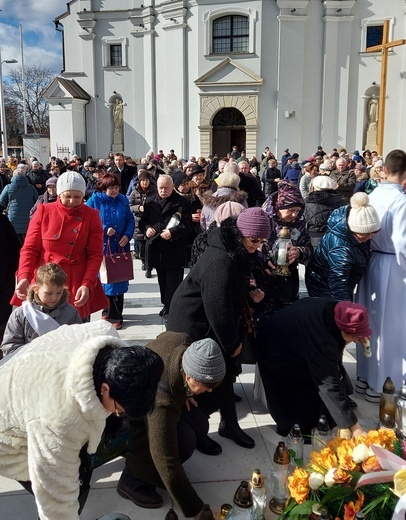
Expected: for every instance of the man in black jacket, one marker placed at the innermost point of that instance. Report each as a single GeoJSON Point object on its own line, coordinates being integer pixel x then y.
{"type": "Point", "coordinates": [166, 247]}
{"type": "Point", "coordinates": [124, 172]}
{"type": "Point", "coordinates": [251, 186]}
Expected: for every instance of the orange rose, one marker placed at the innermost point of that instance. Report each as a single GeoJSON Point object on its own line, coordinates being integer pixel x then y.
{"type": "Point", "coordinates": [371, 464]}
{"type": "Point", "coordinates": [298, 484]}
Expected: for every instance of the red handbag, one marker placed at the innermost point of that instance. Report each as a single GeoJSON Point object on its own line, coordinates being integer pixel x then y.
{"type": "Point", "coordinates": [116, 267]}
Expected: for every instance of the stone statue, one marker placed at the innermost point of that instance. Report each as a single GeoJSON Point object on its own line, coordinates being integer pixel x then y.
{"type": "Point", "coordinates": [373, 111]}
{"type": "Point", "coordinates": [118, 114]}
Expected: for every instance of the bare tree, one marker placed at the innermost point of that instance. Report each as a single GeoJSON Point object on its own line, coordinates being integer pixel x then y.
{"type": "Point", "coordinates": [37, 78]}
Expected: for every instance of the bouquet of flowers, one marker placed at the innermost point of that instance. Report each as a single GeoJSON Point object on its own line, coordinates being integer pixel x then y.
{"type": "Point", "coordinates": [346, 477]}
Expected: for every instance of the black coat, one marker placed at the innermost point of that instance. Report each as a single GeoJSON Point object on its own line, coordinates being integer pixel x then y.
{"type": "Point", "coordinates": [318, 208]}
{"type": "Point", "coordinates": [166, 254]}
{"type": "Point", "coordinates": [38, 178]}
{"type": "Point", "coordinates": [125, 176]}
{"type": "Point", "coordinates": [250, 185]}
{"type": "Point", "coordinates": [210, 300]}
{"type": "Point", "coordinates": [299, 355]}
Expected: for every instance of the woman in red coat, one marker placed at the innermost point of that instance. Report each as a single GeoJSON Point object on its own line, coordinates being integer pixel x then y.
{"type": "Point", "coordinates": [70, 234]}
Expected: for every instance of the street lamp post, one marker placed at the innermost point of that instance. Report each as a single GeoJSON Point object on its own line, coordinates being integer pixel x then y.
{"type": "Point", "coordinates": [3, 110]}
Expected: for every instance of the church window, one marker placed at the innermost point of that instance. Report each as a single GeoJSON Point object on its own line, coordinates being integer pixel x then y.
{"type": "Point", "coordinates": [114, 52]}
{"type": "Point", "coordinates": [374, 35]}
{"type": "Point", "coordinates": [116, 56]}
{"type": "Point", "coordinates": [230, 35]}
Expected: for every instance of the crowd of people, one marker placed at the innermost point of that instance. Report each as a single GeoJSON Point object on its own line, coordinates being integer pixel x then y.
{"type": "Point", "coordinates": [238, 228]}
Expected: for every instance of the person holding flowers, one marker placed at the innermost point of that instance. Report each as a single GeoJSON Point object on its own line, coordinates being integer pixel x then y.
{"type": "Point", "coordinates": [299, 353]}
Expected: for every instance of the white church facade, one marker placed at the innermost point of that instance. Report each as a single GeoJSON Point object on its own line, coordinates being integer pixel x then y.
{"type": "Point", "coordinates": [199, 76]}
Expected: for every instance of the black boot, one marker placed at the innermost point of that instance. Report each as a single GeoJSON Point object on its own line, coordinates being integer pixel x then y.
{"type": "Point", "coordinates": [235, 433]}
{"type": "Point", "coordinates": [139, 492]}
{"type": "Point", "coordinates": [208, 446]}
{"type": "Point", "coordinates": [148, 273]}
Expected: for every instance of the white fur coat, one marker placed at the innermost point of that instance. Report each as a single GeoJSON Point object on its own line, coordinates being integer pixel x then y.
{"type": "Point", "coordinates": [49, 409]}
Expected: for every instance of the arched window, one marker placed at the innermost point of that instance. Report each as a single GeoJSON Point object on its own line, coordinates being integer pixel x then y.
{"type": "Point", "coordinates": [230, 34]}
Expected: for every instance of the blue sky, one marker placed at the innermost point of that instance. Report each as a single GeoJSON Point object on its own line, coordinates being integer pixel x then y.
{"type": "Point", "coordinates": [42, 44]}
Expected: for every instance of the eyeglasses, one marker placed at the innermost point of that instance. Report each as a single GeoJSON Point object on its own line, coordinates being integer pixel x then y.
{"type": "Point", "coordinates": [257, 240]}
{"type": "Point", "coordinates": [118, 411]}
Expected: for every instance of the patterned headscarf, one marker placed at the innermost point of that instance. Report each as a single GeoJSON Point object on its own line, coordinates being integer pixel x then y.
{"type": "Point", "coordinates": [287, 196]}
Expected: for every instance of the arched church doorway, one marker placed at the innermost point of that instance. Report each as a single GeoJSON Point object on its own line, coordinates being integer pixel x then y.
{"type": "Point", "coordinates": [228, 130]}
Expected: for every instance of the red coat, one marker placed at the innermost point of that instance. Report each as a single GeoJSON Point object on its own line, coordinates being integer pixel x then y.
{"type": "Point", "coordinates": [71, 238]}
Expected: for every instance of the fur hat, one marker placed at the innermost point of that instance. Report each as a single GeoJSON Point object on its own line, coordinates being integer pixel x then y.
{"type": "Point", "coordinates": [323, 182]}
{"type": "Point", "coordinates": [204, 361]}
{"type": "Point", "coordinates": [228, 180]}
{"type": "Point", "coordinates": [228, 209]}
{"type": "Point", "coordinates": [254, 222]}
{"type": "Point", "coordinates": [362, 217]}
{"type": "Point", "coordinates": [70, 181]}
{"type": "Point", "coordinates": [352, 318]}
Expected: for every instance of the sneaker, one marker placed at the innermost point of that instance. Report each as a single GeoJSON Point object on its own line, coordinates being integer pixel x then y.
{"type": "Point", "coordinates": [139, 492]}
{"type": "Point", "coordinates": [371, 396]}
{"type": "Point", "coordinates": [361, 385]}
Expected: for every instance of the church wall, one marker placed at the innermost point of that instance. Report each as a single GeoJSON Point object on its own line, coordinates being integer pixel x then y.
{"type": "Point", "coordinates": [310, 65]}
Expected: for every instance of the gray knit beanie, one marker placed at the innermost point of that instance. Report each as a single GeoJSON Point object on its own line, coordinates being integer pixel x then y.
{"type": "Point", "coordinates": [204, 362]}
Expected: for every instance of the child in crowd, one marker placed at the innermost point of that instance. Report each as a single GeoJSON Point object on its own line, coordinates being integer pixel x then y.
{"type": "Point", "coordinates": [45, 309]}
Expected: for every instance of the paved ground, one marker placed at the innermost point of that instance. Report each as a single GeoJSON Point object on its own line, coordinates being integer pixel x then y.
{"type": "Point", "coordinates": [215, 478]}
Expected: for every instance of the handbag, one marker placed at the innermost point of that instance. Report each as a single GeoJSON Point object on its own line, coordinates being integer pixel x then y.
{"type": "Point", "coordinates": [116, 267]}
{"type": "Point", "coordinates": [5, 209]}
{"type": "Point", "coordinates": [115, 442]}
{"type": "Point", "coordinates": [248, 355]}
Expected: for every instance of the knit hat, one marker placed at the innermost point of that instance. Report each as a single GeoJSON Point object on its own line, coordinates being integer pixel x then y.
{"type": "Point", "coordinates": [37, 163]}
{"type": "Point", "coordinates": [254, 222]}
{"type": "Point", "coordinates": [360, 166]}
{"type": "Point", "coordinates": [179, 178]}
{"type": "Point", "coordinates": [323, 182]}
{"type": "Point", "coordinates": [204, 362]}
{"type": "Point", "coordinates": [362, 217]}
{"type": "Point", "coordinates": [288, 196]}
{"type": "Point", "coordinates": [70, 181]}
{"type": "Point", "coordinates": [51, 181]}
{"type": "Point", "coordinates": [228, 209]}
{"type": "Point", "coordinates": [352, 318]}
{"type": "Point", "coordinates": [378, 163]}
{"type": "Point", "coordinates": [228, 180]}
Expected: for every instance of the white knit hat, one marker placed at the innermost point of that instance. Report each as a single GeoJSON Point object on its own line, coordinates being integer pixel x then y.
{"type": "Point", "coordinates": [323, 182]}
{"type": "Point", "coordinates": [362, 218]}
{"type": "Point", "coordinates": [70, 181]}
{"type": "Point", "coordinates": [228, 180]}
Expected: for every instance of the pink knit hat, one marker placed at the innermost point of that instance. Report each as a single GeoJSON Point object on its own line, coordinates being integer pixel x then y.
{"type": "Point", "coordinates": [254, 222]}
{"type": "Point", "coordinates": [352, 318]}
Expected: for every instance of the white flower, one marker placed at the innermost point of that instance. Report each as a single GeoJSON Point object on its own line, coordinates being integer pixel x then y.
{"type": "Point", "coordinates": [329, 477]}
{"type": "Point", "coordinates": [315, 480]}
{"type": "Point", "coordinates": [360, 453]}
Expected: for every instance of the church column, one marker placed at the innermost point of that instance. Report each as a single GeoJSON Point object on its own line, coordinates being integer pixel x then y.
{"type": "Point", "coordinates": [337, 48]}
{"type": "Point", "coordinates": [291, 62]}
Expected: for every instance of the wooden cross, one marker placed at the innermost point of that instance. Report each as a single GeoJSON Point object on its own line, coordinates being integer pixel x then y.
{"type": "Point", "coordinates": [384, 48]}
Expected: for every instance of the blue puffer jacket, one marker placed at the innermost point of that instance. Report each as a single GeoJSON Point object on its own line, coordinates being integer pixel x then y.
{"type": "Point", "coordinates": [23, 196]}
{"type": "Point", "coordinates": [338, 262]}
{"type": "Point", "coordinates": [115, 213]}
